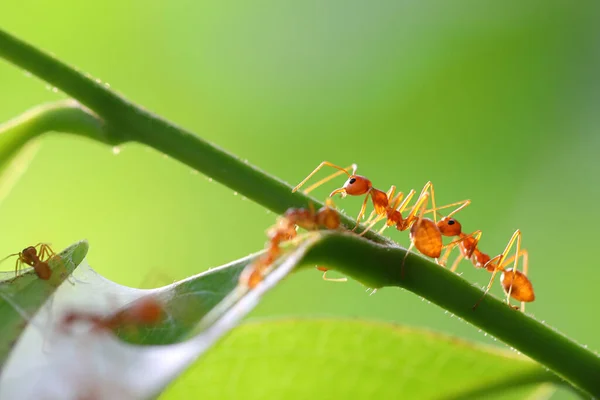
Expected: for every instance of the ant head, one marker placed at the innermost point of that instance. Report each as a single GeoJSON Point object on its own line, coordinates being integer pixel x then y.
{"type": "Point", "coordinates": [448, 226]}
{"type": "Point", "coordinates": [29, 251]}
{"type": "Point", "coordinates": [29, 255]}
{"type": "Point", "coordinates": [356, 185]}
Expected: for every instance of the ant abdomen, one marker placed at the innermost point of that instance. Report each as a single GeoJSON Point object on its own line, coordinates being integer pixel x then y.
{"type": "Point", "coordinates": [426, 237]}
{"type": "Point", "coordinates": [522, 289]}
{"type": "Point", "coordinates": [328, 217]}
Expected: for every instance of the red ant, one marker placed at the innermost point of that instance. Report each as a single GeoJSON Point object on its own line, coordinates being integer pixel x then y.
{"type": "Point", "coordinates": [145, 311]}
{"type": "Point", "coordinates": [515, 283]}
{"type": "Point", "coordinates": [424, 232]}
{"type": "Point", "coordinates": [284, 230]}
{"type": "Point", "coordinates": [34, 258]}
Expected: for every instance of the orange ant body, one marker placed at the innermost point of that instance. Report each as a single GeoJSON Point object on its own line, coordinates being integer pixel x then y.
{"type": "Point", "coordinates": [424, 232]}
{"type": "Point", "coordinates": [36, 259]}
{"type": "Point", "coordinates": [515, 283]}
{"type": "Point", "coordinates": [284, 230]}
{"type": "Point", "coordinates": [145, 311]}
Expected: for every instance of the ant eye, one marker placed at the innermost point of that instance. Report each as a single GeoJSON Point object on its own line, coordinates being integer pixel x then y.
{"type": "Point", "coordinates": [351, 181]}
{"type": "Point", "coordinates": [451, 222]}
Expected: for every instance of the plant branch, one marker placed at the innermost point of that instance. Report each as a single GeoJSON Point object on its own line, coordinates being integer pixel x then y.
{"type": "Point", "coordinates": [374, 265]}
{"type": "Point", "coordinates": [128, 122]}
{"type": "Point", "coordinates": [63, 116]}
{"type": "Point", "coordinates": [378, 266]}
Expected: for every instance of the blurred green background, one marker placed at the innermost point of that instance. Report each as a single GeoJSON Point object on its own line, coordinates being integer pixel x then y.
{"type": "Point", "coordinates": [490, 102]}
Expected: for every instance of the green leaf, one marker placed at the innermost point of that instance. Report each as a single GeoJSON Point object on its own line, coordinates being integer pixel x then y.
{"type": "Point", "coordinates": [79, 362]}
{"type": "Point", "coordinates": [376, 266]}
{"type": "Point", "coordinates": [17, 144]}
{"type": "Point", "coordinates": [26, 293]}
{"type": "Point", "coordinates": [302, 359]}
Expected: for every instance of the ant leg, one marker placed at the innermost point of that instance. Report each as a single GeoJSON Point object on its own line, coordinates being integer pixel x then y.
{"type": "Point", "coordinates": [451, 245]}
{"type": "Point", "coordinates": [524, 254]}
{"type": "Point", "coordinates": [401, 208]}
{"type": "Point", "coordinates": [393, 203]}
{"type": "Point", "coordinates": [371, 216]}
{"type": "Point", "coordinates": [498, 267]}
{"type": "Point", "coordinates": [325, 278]}
{"type": "Point", "coordinates": [397, 204]}
{"type": "Point", "coordinates": [456, 262]}
{"type": "Point", "coordinates": [361, 213]}
{"type": "Point", "coordinates": [412, 243]}
{"type": "Point", "coordinates": [329, 203]}
{"type": "Point", "coordinates": [516, 263]}
{"type": "Point", "coordinates": [429, 187]}
{"type": "Point", "coordinates": [372, 224]}
{"type": "Point", "coordinates": [404, 260]}
{"type": "Point", "coordinates": [45, 250]}
{"type": "Point", "coordinates": [462, 204]}
{"type": "Point", "coordinates": [326, 179]}
{"type": "Point", "coordinates": [419, 207]}
{"type": "Point", "coordinates": [421, 202]}
{"type": "Point", "coordinates": [9, 256]}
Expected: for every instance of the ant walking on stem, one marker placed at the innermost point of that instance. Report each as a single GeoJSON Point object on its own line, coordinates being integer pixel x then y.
{"type": "Point", "coordinates": [284, 230]}
{"type": "Point", "coordinates": [38, 259]}
{"type": "Point", "coordinates": [424, 232]}
{"type": "Point", "coordinates": [514, 282]}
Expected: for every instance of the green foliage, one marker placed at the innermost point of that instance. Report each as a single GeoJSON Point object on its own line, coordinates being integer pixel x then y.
{"type": "Point", "coordinates": [22, 296]}
{"type": "Point", "coordinates": [120, 121]}
{"type": "Point", "coordinates": [336, 358]}
{"type": "Point", "coordinates": [196, 312]}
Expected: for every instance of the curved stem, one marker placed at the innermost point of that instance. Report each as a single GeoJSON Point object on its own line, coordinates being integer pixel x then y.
{"type": "Point", "coordinates": [378, 266]}
{"type": "Point", "coordinates": [129, 122]}
{"type": "Point", "coordinates": [63, 116]}
{"type": "Point", "coordinates": [374, 265]}
{"type": "Point", "coordinates": [16, 148]}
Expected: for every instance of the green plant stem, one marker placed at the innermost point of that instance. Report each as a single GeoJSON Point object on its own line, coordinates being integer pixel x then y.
{"type": "Point", "coordinates": [377, 266]}
{"type": "Point", "coordinates": [374, 265]}
{"type": "Point", "coordinates": [126, 121]}
{"type": "Point", "coordinates": [62, 116]}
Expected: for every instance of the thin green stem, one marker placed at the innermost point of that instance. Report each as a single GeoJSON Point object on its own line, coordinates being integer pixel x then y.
{"type": "Point", "coordinates": [374, 265]}
{"type": "Point", "coordinates": [128, 122]}
{"type": "Point", "coordinates": [377, 266]}
{"type": "Point", "coordinates": [63, 116]}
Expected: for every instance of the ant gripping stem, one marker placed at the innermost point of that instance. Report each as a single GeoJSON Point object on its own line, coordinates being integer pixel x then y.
{"type": "Point", "coordinates": [356, 185]}
{"type": "Point", "coordinates": [514, 283]}
{"type": "Point", "coordinates": [38, 259]}
{"type": "Point", "coordinates": [285, 229]}
{"type": "Point", "coordinates": [425, 235]}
